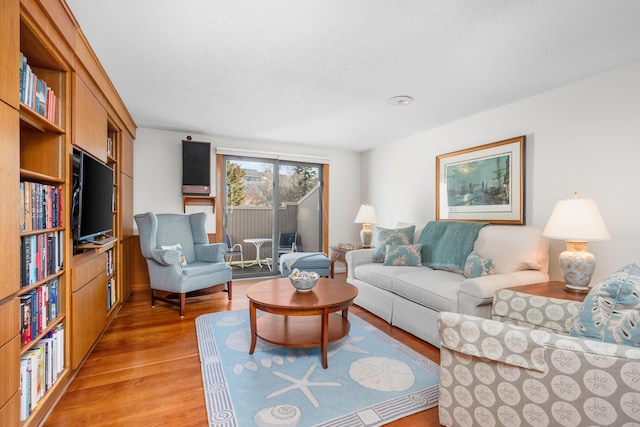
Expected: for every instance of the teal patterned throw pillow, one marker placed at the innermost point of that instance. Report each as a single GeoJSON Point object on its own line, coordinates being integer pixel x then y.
{"type": "Point", "coordinates": [387, 236]}
{"type": "Point", "coordinates": [408, 255]}
{"type": "Point", "coordinates": [477, 266]}
{"type": "Point", "coordinates": [611, 310]}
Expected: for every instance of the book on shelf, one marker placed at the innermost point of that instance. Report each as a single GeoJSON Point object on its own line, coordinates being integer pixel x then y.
{"type": "Point", "coordinates": [41, 255]}
{"type": "Point", "coordinates": [42, 206]}
{"type": "Point", "coordinates": [25, 388]}
{"type": "Point", "coordinates": [38, 308]}
{"type": "Point", "coordinates": [35, 93]}
{"type": "Point", "coordinates": [40, 368]}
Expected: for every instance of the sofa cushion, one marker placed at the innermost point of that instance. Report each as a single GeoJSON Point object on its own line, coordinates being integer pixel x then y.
{"type": "Point", "coordinates": [447, 244]}
{"type": "Point", "coordinates": [408, 255]}
{"type": "Point", "coordinates": [513, 247]}
{"type": "Point", "coordinates": [611, 310]}
{"type": "Point", "coordinates": [380, 275]}
{"type": "Point", "coordinates": [478, 266]}
{"type": "Point", "coordinates": [391, 236]}
{"type": "Point", "coordinates": [436, 289]}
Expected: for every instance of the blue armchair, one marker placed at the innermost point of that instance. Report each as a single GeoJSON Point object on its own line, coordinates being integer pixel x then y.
{"type": "Point", "coordinates": [203, 264]}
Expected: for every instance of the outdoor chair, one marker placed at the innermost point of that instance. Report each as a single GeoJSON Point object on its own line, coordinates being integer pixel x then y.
{"type": "Point", "coordinates": [287, 243]}
{"type": "Point", "coordinates": [234, 250]}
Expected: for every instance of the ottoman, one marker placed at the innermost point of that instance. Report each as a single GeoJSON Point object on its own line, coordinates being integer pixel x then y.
{"type": "Point", "coordinates": [305, 261]}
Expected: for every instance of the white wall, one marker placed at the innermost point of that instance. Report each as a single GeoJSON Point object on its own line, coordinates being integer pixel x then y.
{"type": "Point", "coordinates": [157, 183]}
{"type": "Point", "coordinates": [583, 137]}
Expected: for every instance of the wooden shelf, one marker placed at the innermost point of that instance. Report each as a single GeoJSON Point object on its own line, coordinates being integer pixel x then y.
{"type": "Point", "coordinates": [198, 201]}
{"type": "Point", "coordinates": [103, 245]}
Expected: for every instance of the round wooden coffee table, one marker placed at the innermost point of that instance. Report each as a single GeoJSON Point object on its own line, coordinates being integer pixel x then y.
{"type": "Point", "coordinates": [300, 319]}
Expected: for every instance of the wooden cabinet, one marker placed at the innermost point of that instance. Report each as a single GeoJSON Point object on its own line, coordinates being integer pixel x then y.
{"type": "Point", "coordinates": [9, 362]}
{"type": "Point", "coordinates": [89, 121]}
{"type": "Point", "coordinates": [9, 177]}
{"type": "Point", "coordinates": [9, 53]}
{"type": "Point", "coordinates": [88, 304]}
{"type": "Point", "coordinates": [67, 101]}
{"type": "Point", "coordinates": [41, 279]}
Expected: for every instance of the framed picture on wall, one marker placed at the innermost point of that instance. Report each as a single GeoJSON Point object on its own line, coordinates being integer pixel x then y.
{"type": "Point", "coordinates": [484, 183]}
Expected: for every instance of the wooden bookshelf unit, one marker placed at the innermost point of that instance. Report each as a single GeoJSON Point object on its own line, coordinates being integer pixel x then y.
{"type": "Point", "coordinates": [55, 300]}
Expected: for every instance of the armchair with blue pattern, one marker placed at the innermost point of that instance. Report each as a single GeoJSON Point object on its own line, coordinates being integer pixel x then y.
{"type": "Point", "coordinates": [203, 263]}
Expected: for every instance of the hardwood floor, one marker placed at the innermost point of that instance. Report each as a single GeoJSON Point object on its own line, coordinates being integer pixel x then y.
{"type": "Point", "coordinates": [145, 369]}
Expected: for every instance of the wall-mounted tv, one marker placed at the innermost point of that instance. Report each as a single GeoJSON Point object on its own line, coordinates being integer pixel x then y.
{"type": "Point", "coordinates": [93, 198]}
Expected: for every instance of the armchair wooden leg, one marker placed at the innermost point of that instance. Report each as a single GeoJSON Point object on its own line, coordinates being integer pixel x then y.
{"type": "Point", "coordinates": [229, 290]}
{"type": "Point", "coordinates": [183, 300]}
{"type": "Point", "coordinates": [153, 298]}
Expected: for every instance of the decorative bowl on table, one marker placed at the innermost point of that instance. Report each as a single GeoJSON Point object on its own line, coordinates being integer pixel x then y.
{"type": "Point", "coordinates": [303, 281]}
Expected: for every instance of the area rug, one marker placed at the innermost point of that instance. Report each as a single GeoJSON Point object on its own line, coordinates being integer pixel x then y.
{"type": "Point", "coordinates": [371, 379]}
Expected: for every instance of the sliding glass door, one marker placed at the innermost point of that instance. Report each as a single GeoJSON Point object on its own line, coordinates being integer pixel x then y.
{"type": "Point", "coordinates": [270, 207]}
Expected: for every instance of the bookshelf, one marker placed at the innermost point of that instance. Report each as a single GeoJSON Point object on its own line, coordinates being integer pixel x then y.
{"type": "Point", "coordinates": [43, 243]}
{"type": "Point", "coordinates": [54, 302]}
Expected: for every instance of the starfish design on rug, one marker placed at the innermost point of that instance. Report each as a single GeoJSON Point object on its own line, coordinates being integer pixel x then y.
{"type": "Point", "coordinates": [347, 344]}
{"type": "Point", "coordinates": [303, 384]}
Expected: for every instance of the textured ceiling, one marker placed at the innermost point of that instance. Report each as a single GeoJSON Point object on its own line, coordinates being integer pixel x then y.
{"type": "Point", "coordinates": [320, 71]}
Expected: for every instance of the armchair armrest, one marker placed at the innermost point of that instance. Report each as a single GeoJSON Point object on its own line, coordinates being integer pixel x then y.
{"type": "Point", "coordinates": [492, 340]}
{"type": "Point", "coordinates": [211, 252]}
{"type": "Point", "coordinates": [544, 313]}
{"type": "Point", "coordinates": [358, 257]}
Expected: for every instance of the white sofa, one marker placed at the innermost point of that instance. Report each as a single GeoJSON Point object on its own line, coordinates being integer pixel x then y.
{"type": "Point", "coordinates": [411, 298]}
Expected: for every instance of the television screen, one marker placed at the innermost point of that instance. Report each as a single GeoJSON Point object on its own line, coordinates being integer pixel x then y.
{"type": "Point", "coordinates": [95, 198]}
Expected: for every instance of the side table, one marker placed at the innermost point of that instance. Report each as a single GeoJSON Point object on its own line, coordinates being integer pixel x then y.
{"type": "Point", "coordinates": [549, 289]}
{"type": "Point", "coordinates": [338, 254]}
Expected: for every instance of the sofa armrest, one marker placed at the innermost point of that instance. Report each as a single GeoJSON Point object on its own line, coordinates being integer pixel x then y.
{"type": "Point", "coordinates": [487, 286]}
{"type": "Point", "coordinates": [476, 295]}
{"type": "Point", "coordinates": [358, 257]}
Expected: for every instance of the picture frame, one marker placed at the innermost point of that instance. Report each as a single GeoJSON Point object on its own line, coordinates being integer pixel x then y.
{"type": "Point", "coordinates": [484, 183]}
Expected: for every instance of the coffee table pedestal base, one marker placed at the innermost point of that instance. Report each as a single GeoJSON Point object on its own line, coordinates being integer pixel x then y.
{"type": "Point", "coordinates": [299, 331]}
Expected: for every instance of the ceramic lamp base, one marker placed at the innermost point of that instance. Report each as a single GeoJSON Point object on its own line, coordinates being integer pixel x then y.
{"type": "Point", "coordinates": [577, 266]}
{"type": "Point", "coordinates": [366, 235]}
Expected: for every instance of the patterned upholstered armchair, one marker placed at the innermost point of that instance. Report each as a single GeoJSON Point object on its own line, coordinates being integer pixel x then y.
{"type": "Point", "coordinates": [522, 368]}
{"type": "Point", "coordinates": [195, 264]}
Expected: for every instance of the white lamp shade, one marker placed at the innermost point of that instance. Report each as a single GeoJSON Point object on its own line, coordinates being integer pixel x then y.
{"type": "Point", "coordinates": [366, 215]}
{"type": "Point", "coordinates": [576, 219]}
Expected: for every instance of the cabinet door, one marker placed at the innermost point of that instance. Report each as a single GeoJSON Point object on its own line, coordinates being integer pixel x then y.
{"type": "Point", "coordinates": [89, 314]}
{"type": "Point", "coordinates": [9, 349]}
{"type": "Point", "coordinates": [89, 121]}
{"type": "Point", "coordinates": [126, 155]}
{"type": "Point", "coordinates": [125, 273]}
{"type": "Point", "coordinates": [88, 305]}
{"type": "Point", "coordinates": [126, 206]}
{"type": "Point", "coordinates": [9, 52]}
{"type": "Point", "coordinates": [10, 190]}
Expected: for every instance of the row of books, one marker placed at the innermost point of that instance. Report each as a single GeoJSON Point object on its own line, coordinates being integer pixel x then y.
{"type": "Point", "coordinates": [38, 307]}
{"type": "Point", "coordinates": [111, 293]}
{"type": "Point", "coordinates": [42, 206]}
{"type": "Point", "coordinates": [41, 255]}
{"type": "Point", "coordinates": [39, 369]}
{"type": "Point", "coordinates": [110, 262]}
{"type": "Point", "coordinates": [36, 94]}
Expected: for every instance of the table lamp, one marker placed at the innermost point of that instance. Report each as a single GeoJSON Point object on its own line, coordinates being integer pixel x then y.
{"type": "Point", "coordinates": [366, 216]}
{"type": "Point", "coordinates": [577, 221]}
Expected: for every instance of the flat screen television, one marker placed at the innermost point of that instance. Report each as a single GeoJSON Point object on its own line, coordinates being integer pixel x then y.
{"type": "Point", "coordinates": [94, 199]}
